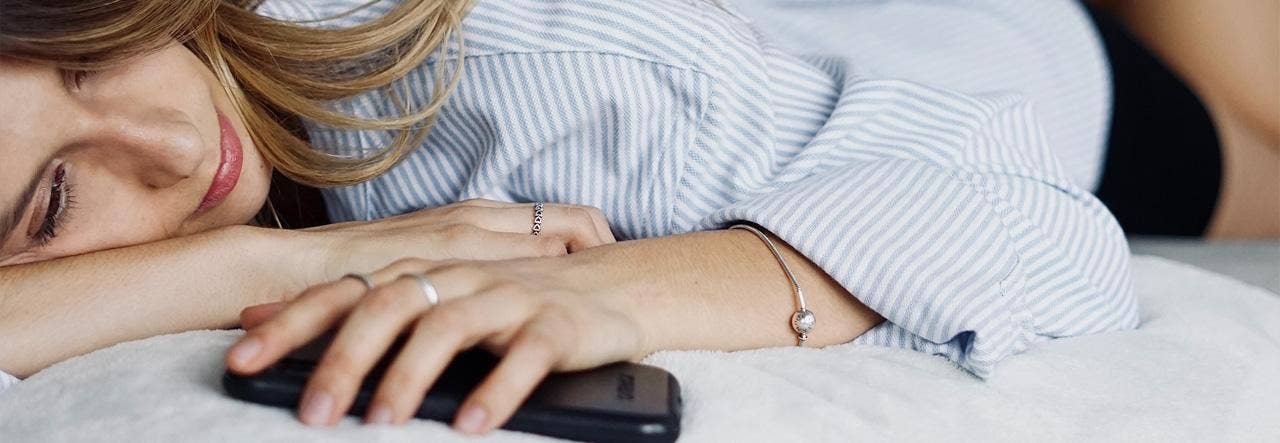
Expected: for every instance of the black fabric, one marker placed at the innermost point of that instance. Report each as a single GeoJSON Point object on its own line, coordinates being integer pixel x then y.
{"type": "Point", "coordinates": [1163, 166]}
{"type": "Point", "coordinates": [292, 205]}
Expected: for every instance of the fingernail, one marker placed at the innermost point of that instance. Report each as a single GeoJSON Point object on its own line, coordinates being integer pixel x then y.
{"type": "Point", "coordinates": [379, 415]}
{"type": "Point", "coordinates": [317, 408]}
{"type": "Point", "coordinates": [244, 352]}
{"type": "Point", "coordinates": [471, 420]}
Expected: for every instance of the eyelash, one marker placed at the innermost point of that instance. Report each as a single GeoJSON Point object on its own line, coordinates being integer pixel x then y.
{"type": "Point", "coordinates": [61, 200]}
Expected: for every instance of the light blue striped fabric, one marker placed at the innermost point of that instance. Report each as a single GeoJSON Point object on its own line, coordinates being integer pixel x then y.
{"type": "Point", "coordinates": [946, 212]}
{"type": "Point", "coordinates": [1046, 50]}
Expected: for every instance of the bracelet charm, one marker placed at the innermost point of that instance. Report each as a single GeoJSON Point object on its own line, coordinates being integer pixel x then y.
{"type": "Point", "coordinates": [803, 322]}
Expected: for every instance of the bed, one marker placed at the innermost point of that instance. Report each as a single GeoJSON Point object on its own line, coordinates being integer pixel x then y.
{"type": "Point", "coordinates": [1204, 366]}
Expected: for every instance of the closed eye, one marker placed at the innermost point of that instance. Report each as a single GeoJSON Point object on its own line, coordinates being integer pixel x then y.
{"type": "Point", "coordinates": [61, 201]}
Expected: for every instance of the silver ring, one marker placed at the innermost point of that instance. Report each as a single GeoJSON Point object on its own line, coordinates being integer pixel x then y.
{"type": "Point", "coordinates": [428, 289]}
{"type": "Point", "coordinates": [363, 278]}
{"type": "Point", "coordinates": [537, 219]}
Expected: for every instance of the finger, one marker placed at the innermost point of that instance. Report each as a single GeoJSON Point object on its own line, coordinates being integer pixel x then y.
{"type": "Point", "coordinates": [481, 244]}
{"type": "Point", "coordinates": [582, 226]}
{"type": "Point", "coordinates": [363, 338]}
{"type": "Point", "coordinates": [528, 359]}
{"type": "Point", "coordinates": [601, 224]}
{"type": "Point", "coordinates": [313, 312]}
{"type": "Point", "coordinates": [477, 243]}
{"type": "Point", "coordinates": [525, 245]}
{"type": "Point", "coordinates": [574, 224]}
{"type": "Point", "coordinates": [255, 315]}
{"type": "Point", "coordinates": [438, 336]}
{"type": "Point", "coordinates": [483, 203]}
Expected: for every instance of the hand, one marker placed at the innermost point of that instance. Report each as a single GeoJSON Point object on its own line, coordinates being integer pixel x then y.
{"type": "Point", "coordinates": [520, 309]}
{"type": "Point", "coordinates": [468, 230]}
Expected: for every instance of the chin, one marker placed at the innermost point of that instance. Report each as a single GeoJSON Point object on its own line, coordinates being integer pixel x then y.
{"type": "Point", "coordinates": [255, 197]}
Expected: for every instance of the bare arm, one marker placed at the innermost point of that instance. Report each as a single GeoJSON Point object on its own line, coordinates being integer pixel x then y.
{"type": "Point", "coordinates": [60, 308]}
{"type": "Point", "coordinates": [56, 309]}
{"type": "Point", "coordinates": [952, 251]}
{"type": "Point", "coordinates": [718, 290]}
{"type": "Point", "coordinates": [723, 288]}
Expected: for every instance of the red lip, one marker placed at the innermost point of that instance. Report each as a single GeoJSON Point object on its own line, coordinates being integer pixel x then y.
{"type": "Point", "coordinates": [228, 174]}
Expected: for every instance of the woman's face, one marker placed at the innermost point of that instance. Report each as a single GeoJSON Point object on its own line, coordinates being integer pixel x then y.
{"type": "Point", "coordinates": [148, 150]}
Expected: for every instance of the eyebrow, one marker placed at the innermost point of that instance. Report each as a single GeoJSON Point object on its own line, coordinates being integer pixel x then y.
{"type": "Point", "coordinates": [9, 219]}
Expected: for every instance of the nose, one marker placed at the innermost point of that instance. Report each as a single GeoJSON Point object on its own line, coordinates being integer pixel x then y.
{"type": "Point", "coordinates": [161, 148]}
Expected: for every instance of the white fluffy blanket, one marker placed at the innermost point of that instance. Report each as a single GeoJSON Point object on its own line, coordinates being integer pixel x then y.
{"type": "Point", "coordinates": [1204, 366]}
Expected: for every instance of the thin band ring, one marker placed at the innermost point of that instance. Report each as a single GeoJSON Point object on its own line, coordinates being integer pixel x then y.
{"type": "Point", "coordinates": [537, 219]}
{"type": "Point", "coordinates": [428, 289]}
{"type": "Point", "coordinates": [362, 278]}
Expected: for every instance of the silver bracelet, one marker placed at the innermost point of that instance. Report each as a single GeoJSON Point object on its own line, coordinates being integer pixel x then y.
{"type": "Point", "coordinates": [802, 321]}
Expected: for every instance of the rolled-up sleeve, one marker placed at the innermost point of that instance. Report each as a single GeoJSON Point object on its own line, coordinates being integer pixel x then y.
{"type": "Point", "coordinates": [949, 217]}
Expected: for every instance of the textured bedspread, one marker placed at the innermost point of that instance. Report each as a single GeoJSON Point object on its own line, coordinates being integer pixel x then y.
{"type": "Point", "coordinates": [1204, 366]}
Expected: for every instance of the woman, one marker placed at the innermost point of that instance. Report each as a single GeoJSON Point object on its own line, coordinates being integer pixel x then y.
{"type": "Point", "coordinates": [911, 216]}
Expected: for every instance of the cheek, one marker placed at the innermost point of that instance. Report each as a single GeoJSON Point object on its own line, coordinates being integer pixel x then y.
{"type": "Point", "coordinates": [113, 221]}
{"type": "Point", "coordinates": [123, 217]}
{"type": "Point", "coordinates": [255, 183]}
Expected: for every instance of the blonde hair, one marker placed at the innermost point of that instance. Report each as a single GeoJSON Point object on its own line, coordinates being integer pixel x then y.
{"type": "Point", "coordinates": [276, 72]}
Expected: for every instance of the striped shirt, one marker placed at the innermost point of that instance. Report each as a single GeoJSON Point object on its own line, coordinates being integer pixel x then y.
{"type": "Point", "coordinates": [1048, 51]}
{"type": "Point", "coordinates": [935, 200]}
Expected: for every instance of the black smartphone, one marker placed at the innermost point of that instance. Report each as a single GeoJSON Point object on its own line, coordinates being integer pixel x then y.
{"type": "Point", "coordinates": [623, 402]}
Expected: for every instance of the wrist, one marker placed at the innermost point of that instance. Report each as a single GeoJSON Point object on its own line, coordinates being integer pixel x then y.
{"type": "Point", "coordinates": [617, 277]}
{"type": "Point", "coordinates": [589, 276]}
{"type": "Point", "coordinates": [284, 261]}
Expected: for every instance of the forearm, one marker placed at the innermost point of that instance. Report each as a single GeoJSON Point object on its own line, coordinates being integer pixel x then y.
{"type": "Point", "coordinates": [719, 290]}
{"type": "Point", "coordinates": [56, 309]}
